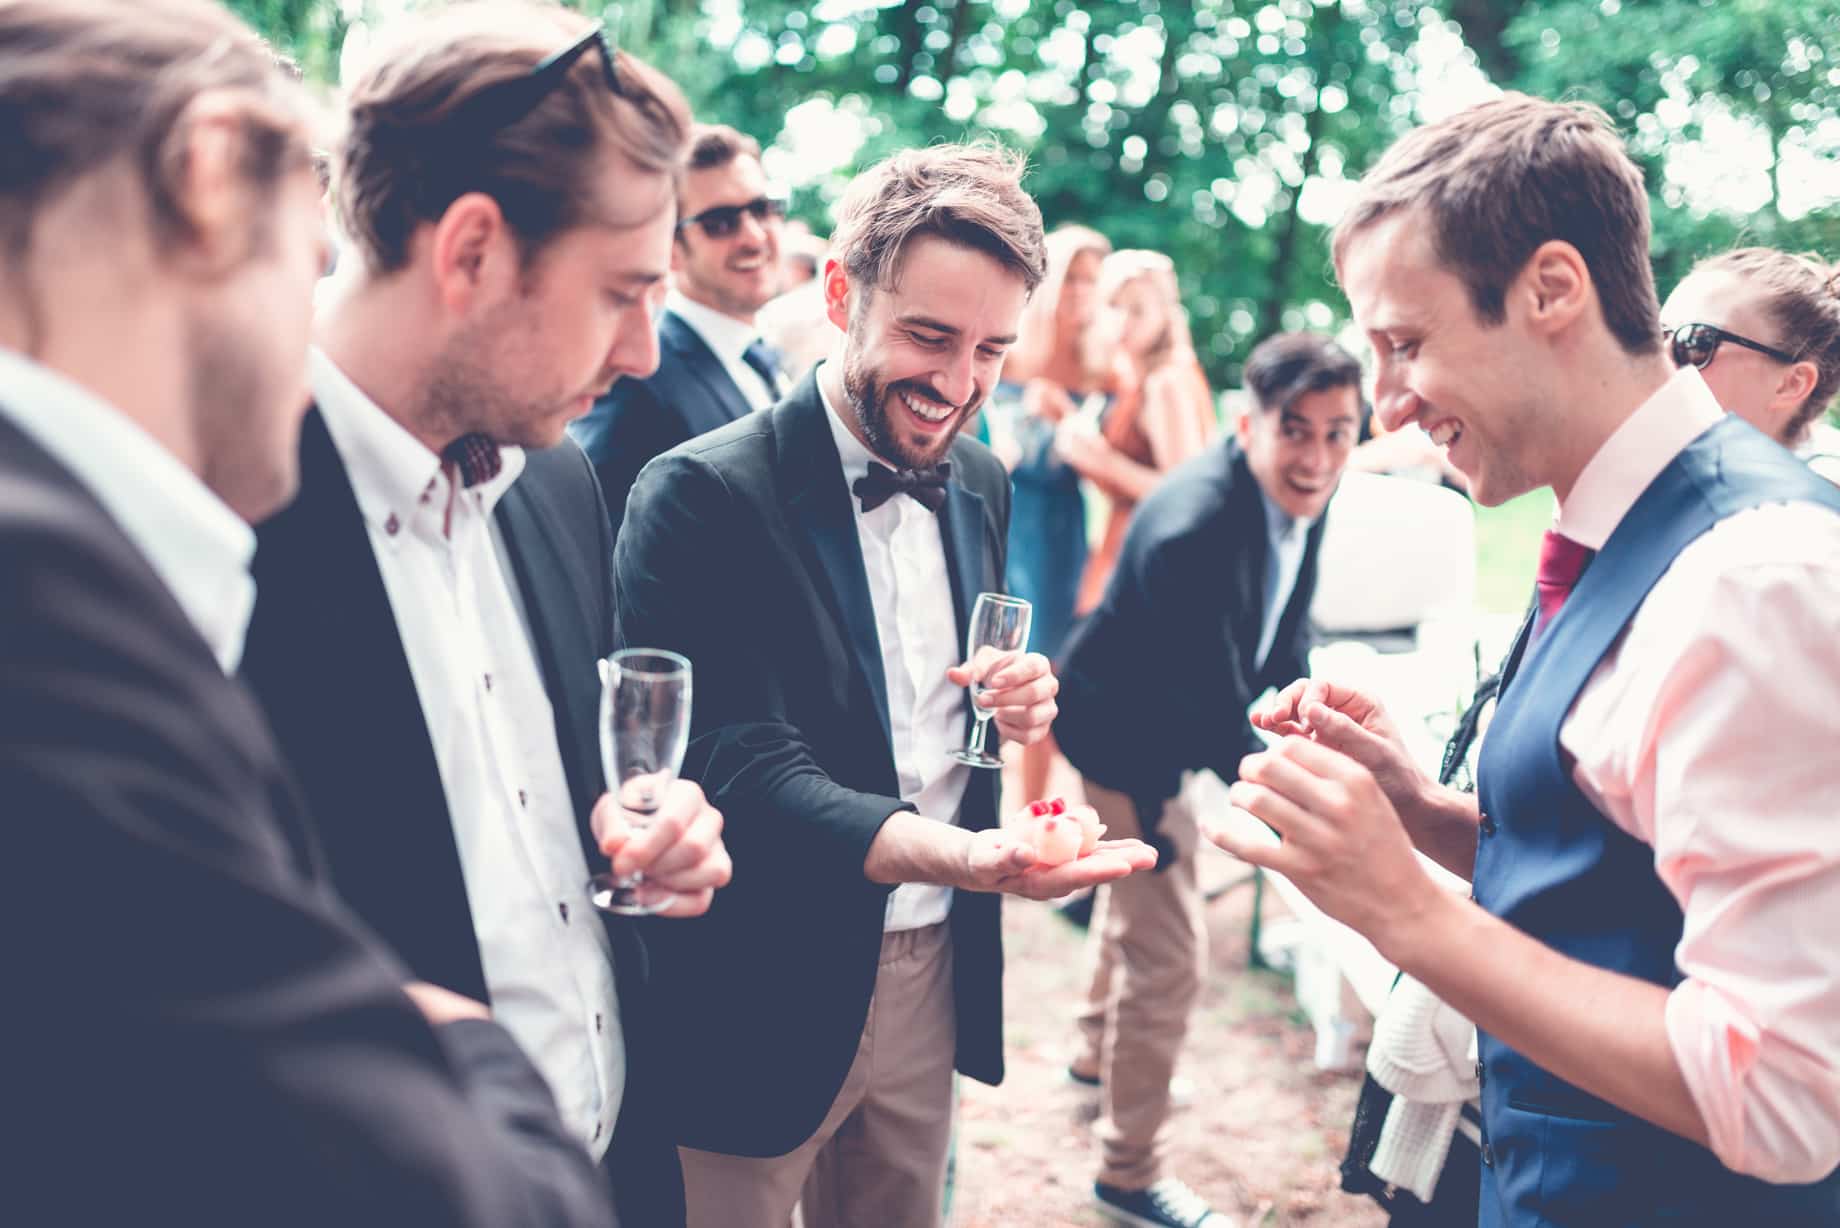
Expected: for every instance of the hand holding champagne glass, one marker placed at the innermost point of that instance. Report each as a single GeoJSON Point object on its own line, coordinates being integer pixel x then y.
{"type": "Point", "coordinates": [645, 726]}
{"type": "Point", "coordinates": [998, 634]}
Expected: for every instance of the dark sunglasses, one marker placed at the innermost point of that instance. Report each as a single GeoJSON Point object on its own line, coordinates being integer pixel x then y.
{"type": "Point", "coordinates": [506, 102]}
{"type": "Point", "coordinates": [724, 220]}
{"type": "Point", "coordinates": [1697, 345]}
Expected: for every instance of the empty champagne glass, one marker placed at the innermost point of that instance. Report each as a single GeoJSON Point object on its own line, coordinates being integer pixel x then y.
{"type": "Point", "coordinates": [998, 634]}
{"type": "Point", "coordinates": [645, 725]}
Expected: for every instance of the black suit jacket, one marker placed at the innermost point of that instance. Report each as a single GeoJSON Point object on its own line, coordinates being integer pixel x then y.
{"type": "Point", "coordinates": [740, 550]}
{"type": "Point", "coordinates": [200, 1030]}
{"type": "Point", "coordinates": [690, 394]}
{"type": "Point", "coordinates": [1157, 680]}
{"type": "Point", "coordinates": [327, 661]}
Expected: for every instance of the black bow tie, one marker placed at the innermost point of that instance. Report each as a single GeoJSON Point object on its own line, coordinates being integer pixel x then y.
{"type": "Point", "coordinates": [881, 484]}
{"type": "Point", "coordinates": [476, 457]}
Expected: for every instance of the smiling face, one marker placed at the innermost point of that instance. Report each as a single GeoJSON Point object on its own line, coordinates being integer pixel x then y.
{"type": "Point", "coordinates": [580, 316]}
{"type": "Point", "coordinates": [1475, 388]}
{"type": "Point", "coordinates": [1298, 453]}
{"type": "Point", "coordinates": [737, 274]}
{"type": "Point", "coordinates": [921, 356]}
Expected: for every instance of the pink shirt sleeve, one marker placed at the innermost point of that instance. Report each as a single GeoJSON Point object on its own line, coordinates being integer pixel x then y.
{"type": "Point", "coordinates": [1712, 733]}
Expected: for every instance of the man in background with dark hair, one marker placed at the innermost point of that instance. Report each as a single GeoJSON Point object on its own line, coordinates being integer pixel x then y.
{"type": "Point", "coordinates": [1217, 571]}
{"type": "Point", "coordinates": [199, 1030]}
{"type": "Point", "coordinates": [435, 602]}
{"type": "Point", "coordinates": [712, 365]}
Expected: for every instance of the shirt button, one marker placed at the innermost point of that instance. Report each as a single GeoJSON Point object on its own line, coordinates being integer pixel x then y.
{"type": "Point", "coordinates": [488, 682]}
{"type": "Point", "coordinates": [597, 1131]}
{"type": "Point", "coordinates": [1488, 1155]}
{"type": "Point", "coordinates": [1488, 825]}
{"type": "Point", "coordinates": [523, 798]}
{"type": "Point", "coordinates": [597, 1022]}
{"type": "Point", "coordinates": [392, 525]}
{"type": "Point", "coordinates": [562, 906]}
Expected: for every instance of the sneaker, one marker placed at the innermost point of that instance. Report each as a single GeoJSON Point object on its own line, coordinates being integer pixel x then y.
{"type": "Point", "coordinates": [1167, 1204]}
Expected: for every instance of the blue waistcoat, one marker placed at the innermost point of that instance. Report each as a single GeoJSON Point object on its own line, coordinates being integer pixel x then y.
{"type": "Point", "coordinates": [1553, 866]}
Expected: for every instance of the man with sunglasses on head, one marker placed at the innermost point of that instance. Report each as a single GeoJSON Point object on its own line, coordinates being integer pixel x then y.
{"type": "Point", "coordinates": [1648, 951]}
{"type": "Point", "coordinates": [713, 366]}
{"type": "Point", "coordinates": [435, 603]}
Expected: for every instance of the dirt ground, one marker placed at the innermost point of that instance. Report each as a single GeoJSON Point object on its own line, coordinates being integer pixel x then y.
{"type": "Point", "coordinates": [1262, 1138]}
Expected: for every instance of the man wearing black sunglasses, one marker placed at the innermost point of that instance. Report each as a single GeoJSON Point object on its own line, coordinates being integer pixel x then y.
{"type": "Point", "coordinates": [433, 606]}
{"type": "Point", "coordinates": [713, 367]}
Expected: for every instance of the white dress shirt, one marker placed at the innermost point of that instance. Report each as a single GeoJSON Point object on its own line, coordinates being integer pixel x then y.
{"type": "Point", "coordinates": [904, 555]}
{"type": "Point", "coordinates": [198, 547]}
{"type": "Point", "coordinates": [728, 338]}
{"type": "Point", "coordinates": [546, 956]}
{"type": "Point", "coordinates": [1709, 732]}
{"type": "Point", "coordinates": [1285, 538]}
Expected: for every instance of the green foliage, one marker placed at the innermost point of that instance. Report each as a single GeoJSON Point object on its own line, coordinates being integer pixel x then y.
{"type": "Point", "coordinates": [1219, 131]}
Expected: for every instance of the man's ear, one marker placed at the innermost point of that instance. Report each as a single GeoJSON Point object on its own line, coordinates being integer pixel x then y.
{"type": "Point", "coordinates": [1798, 380]}
{"type": "Point", "coordinates": [1242, 422]}
{"type": "Point", "coordinates": [1554, 286]}
{"type": "Point", "coordinates": [837, 290]}
{"type": "Point", "coordinates": [470, 248]}
{"type": "Point", "coordinates": [208, 187]}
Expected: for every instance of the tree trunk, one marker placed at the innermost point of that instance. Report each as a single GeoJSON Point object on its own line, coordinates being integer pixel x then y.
{"type": "Point", "coordinates": [961, 19]}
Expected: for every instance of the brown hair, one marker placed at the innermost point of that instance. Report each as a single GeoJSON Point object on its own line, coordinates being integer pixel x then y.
{"type": "Point", "coordinates": [713, 145]}
{"type": "Point", "coordinates": [1498, 180]}
{"type": "Point", "coordinates": [91, 82]}
{"type": "Point", "coordinates": [967, 194]}
{"type": "Point", "coordinates": [406, 159]}
{"type": "Point", "coordinates": [1285, 366]}
{"type": "Point", "coordinates": [1801, 296]}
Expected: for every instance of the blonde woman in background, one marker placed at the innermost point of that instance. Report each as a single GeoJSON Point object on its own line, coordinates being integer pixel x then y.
{"type": "Point", "coordinates": [1167, 415]}
{"type": "Point", "coordinates": [1763, 327]}
{"type": "Point", "coordinates": [1052, 375]}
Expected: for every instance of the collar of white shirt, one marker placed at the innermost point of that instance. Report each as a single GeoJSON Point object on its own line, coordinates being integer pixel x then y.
{"type": "Point", "coordinates": [197, 546]}
{"type": "Point", "coordinates": [396, 479]}
{"type": "Point", "coordinates": [1673, 416]}
{"type": "Point", "coordinates": [1280, 526]}
{"type": "Point", "coordinates": [724, 334]}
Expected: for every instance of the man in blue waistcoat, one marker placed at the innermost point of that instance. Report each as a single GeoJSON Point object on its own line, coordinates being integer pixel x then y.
{"type": "Point", "coordinates": [1649, 951]}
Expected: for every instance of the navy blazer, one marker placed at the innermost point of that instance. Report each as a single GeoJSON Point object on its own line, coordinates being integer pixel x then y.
{"type": "Point", "coordinates": [690, 394]}
{"type": "Point", "coordinates": [1157, 680]}
{"type": "Point", "coordinates": [181, 976]}
{"type": "Point", "coordinates": [740, 551]}
{"type": "Point", "coordinates": [326, 658]}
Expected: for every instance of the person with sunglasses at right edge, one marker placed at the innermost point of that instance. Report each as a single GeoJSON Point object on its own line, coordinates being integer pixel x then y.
{"type": "Point", "coordinates": [713, 366]}
{"type": "Point", "coordinates": [1645, 951]}
{"type": "Point", "coordinates": [433, 606]}
{"type": "Point", "coordinates": [1763, 327]}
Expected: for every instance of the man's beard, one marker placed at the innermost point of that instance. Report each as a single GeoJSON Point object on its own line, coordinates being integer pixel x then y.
{"type": "Point", "coordinates": [869, 399]}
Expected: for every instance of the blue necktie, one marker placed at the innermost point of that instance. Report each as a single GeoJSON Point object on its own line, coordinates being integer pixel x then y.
{"type": "Point", "coordinates": [764, 360]}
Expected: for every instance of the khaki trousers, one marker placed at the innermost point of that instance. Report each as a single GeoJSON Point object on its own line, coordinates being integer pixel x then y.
{"type": "Point", "coordinates": [1148, 948]}
{"type": "Point", "coordinates": [878, 1160]}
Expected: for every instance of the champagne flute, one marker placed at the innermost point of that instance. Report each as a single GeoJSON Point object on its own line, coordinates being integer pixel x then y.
{"type": "Point", "coordinates": [998, 634]}
{"type": "Point", "coordinates": [645, 725]}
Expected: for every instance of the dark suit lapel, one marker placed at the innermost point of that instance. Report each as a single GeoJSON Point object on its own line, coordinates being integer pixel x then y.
{"type": "Point", "coordinates": [326, 653]}
{"type": "Point", "coordinates": [565, 643]}
{"type": "Point", "coordinates": [1247, 606]}
{"type": "Point", "coordinates": [701, 364]}
{"type": "Point", "coordinates": [820, 508]}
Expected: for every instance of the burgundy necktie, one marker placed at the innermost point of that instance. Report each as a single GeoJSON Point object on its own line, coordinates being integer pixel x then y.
{"type": "Point", "coordinates": [1562, 561]}
{"type": "Point", "coordinates": [476, 457]}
